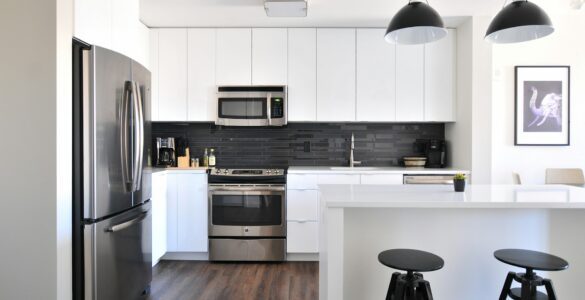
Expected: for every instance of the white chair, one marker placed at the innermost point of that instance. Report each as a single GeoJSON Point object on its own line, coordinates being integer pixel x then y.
{"type": "Point", "coordinates": [516, 178]}
{"type": "Point", "coordinates": [565, 176]}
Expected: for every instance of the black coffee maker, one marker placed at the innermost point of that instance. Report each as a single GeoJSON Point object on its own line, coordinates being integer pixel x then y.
{"type": "Point", "coordinates": [165, 155]}
{"type": "Point", "coordinates": [434, 150]}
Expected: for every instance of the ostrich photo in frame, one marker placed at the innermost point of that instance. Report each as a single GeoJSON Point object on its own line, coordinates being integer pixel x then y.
{"type": "Point", "coordinates": [542, 106]}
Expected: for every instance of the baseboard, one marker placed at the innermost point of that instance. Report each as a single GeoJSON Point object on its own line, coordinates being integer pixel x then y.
{"type": "Point", "coordinates": [204, 256]}
{"type": "Point", "coordinates": [186, 256]}
{"type": "Point", "coordinates": [302, 256]}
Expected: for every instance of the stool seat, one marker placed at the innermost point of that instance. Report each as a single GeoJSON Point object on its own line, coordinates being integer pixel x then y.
{"type": "Point", "coordinates": [411, 260]}
{"type": "Point", "coordinates": [529, 259]}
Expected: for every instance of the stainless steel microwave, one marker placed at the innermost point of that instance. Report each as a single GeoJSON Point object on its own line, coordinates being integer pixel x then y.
{"type": "Point", "coordinates": [251, 106]}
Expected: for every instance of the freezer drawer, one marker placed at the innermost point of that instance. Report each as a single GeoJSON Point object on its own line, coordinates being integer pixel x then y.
{"type": "Point", "coordinates": [117, 254]}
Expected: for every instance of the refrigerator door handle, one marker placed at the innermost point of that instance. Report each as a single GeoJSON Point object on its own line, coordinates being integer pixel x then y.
{"type": "Point", "coordinates": [124, 137]}
{"type": "Point", "coordinates": [138, 136]}
{"type": "Point", "coordinates": [124, 225]}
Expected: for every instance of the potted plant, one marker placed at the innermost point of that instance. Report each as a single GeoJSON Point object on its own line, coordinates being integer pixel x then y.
{"type": "Point", "coordinates": [459, 182]}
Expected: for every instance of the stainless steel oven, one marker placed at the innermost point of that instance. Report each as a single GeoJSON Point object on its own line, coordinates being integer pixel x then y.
{"type": "Point", "coordinates": [251, 106]}
{"type": "Point", "coordinates": [247, 215]}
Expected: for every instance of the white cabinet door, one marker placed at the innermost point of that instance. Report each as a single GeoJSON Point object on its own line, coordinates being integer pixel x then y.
{"type": "Point", "coordinates": [202, 91]}
{"type": "Point", "coordinates": [410, 83]}
{"type": "Point", "coordinates": [172, 212]}
{"type": "Point", "coordinates": [440, 78]}
{"type": "Point", "coordinates": [336, 74]}
{"type": "Point", "coordinates": [154, 74]}
{"type": "Point", "coordinates": [234, 56]}
{"type": "Point", "coordinates": [302, 181]}
{"type": "Point", "coordinates": [381, 179]}
{"type": "Point", "coordinates": [159, 216]}
{"type": "Point", "coordinates": [376, 77]}
{"type": "Point", "coordinates": [339, 179]}
{"type": "Point", "coordinates": [302, 74]}
{"type": "Point", "coordinates": [302, 237]}
{"type": "Point", "coordinates": [172, 84]}
{"type": "Point", "coordinates": [269, 56]}
{"type": "Point", "coordinates": [192, 213]}
{"type": "Point", "coordinates": [302, 205]}
{"type": "Point", "coordinates": [93, 22]}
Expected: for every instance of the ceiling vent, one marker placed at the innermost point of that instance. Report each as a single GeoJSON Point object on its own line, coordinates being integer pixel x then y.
{"type": "Point", "coordinates": [286, 8]}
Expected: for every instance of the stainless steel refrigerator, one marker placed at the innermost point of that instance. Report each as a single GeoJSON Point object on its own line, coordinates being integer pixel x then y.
{"type": "Point", "coordinates": [112, 182]}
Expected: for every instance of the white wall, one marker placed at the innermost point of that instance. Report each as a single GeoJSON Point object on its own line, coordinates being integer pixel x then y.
{"type": "Point", "coordinates": [565, 47]}
{"type": "Point", "coordinates": [470, 136]}
{"type": "Point", "coordinates": [35, 89]}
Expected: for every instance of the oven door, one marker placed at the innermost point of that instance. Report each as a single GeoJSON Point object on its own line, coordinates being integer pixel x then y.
{"type": "Point", "coordinates": [247, 210]}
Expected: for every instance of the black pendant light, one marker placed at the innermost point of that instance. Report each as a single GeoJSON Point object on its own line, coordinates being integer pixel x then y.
{"type": "Point", "coordinates": [416, 23]}
{"type": "Point", "coordinates": [519, 21]}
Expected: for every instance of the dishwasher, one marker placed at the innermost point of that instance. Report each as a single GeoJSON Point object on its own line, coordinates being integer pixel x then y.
{"type": "Point", "coordinates": [428, 179]}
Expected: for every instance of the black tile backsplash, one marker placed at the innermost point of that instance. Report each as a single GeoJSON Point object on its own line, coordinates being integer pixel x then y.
{"type": "Point", "coordinates": [376, 144]}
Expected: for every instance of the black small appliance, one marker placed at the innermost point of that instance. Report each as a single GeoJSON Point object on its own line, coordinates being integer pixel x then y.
{"type": "Point", "coordinates": [436, 152]}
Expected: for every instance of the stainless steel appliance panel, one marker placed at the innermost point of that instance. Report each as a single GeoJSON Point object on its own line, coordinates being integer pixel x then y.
{"type": "Point", "coordinates": [118, 256]}
{"type": "Point", "coordinates": [444, 179]}
{"type": "Point", "coordinates": [247, 210]}
{"type": "Point", "coordinates": [108, 134]}
{"type": "Point", "coordinates": [142, 136]}
{"type": "Point", "coordinates": [247, 249]}
{"type": "Point", "coordinates": [252, 106]}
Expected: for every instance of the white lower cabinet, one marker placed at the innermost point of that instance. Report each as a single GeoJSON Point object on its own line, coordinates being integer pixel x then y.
{"type": "Point", "coordinates": [302, 237]}
{"type": "Point", "coordinates": [381, 179]}
{"type": "Point", "coordinates": [159, 216]}
{"type": "Point", "coordinates": [187, 212]}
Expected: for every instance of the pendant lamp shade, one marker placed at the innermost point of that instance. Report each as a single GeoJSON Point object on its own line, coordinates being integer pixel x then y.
{"type": "Point", "coordinates": [519, 21]}
{"type": "Point", "coordinates": [416, 23]}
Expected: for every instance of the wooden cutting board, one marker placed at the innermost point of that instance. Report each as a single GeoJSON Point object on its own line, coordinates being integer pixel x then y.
{"type": "Point", "coordinates": [183, 161]}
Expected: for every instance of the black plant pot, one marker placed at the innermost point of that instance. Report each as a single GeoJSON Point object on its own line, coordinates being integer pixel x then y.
{"type": "Point", "coordinates": [459, 185]}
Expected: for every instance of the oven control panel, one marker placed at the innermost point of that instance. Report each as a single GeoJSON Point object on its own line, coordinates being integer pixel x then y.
{"type": "Point", "coordinates": [247, 172]}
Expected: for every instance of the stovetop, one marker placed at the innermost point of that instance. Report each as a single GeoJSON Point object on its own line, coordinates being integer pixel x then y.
{"type": "Point", "coordinates": [247, 175]}
{"type": "Point", "coordinates": [247, 172]}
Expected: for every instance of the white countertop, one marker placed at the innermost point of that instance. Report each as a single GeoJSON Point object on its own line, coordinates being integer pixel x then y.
{"type": "Point", "coordinates": [443, 196]}
{"type": "Point", "coordinates": [180, 170]}
{"type": "Point", "coordinates": [371, 170]}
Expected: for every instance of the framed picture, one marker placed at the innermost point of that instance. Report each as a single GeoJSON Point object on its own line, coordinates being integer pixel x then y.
{"type": "Point", "coordinates": [542, 106]}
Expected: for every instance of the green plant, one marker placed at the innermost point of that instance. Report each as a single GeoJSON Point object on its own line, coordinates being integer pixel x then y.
{"type": "Point", "coordinates": [459, 176]}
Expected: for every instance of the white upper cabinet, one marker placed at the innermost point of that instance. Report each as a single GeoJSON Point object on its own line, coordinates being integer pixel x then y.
{"type": "Point", "coordinates": [234, 56]}
{"type": "Point", "coordinates": [113, 24]}
{"type": "Point", "coordinates": [336, 73]}
{"type": "Point", "coordinates": [376, 77]}
{"type": "Point", "coordinates": [410, 83]}
{"type": "Point", "coordinates": [93, 22]}
{"type": "Point", "coordinates": [172, 79]}
{"type": "Point", "coordinates": [440, 78]}
{"type": "Point", "coordinates": [154, 73]}
{"type": "Point", "coordinates": [302, 74]}
{"type": "Point", "coordinates": [269, 56]}
{"type": "Point", "coordinates": [202, 91]}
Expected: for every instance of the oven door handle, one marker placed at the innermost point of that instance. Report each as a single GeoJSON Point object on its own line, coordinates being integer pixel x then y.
{"type": "Point", "coordinates": [247, 189]}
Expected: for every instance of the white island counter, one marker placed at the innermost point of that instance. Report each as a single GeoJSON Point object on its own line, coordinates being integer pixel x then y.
{"type": "Point", "coordinates": [359, 221]}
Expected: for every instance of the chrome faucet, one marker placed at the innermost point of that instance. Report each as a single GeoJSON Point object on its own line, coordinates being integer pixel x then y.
{"type": "Point", "coordinates": [352, 162]}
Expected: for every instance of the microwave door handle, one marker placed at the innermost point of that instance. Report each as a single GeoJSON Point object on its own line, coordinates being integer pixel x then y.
{"type": "Point", "coordinates": [124, 137]}
{"type": "Point", "coordinates": [269, 108]}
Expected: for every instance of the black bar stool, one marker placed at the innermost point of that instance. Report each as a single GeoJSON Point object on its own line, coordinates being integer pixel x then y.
{"type": "Point", "coordinates": [531, 261]}
{"type": "Point", "coordinates": [410, 286]}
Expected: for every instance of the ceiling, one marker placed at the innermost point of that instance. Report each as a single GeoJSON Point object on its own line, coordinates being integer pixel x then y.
{"type": "Point", "coordinates": [321, 13]}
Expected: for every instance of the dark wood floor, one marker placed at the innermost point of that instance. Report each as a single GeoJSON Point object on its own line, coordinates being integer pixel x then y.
{"type": "Point", "coordinates": [175, 280]}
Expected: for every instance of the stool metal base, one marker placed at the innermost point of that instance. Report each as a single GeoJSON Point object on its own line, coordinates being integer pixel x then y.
{"type": "Point", "coordinates": [409, 286]}
{"type": "Point", "coordinates": [529, 282]}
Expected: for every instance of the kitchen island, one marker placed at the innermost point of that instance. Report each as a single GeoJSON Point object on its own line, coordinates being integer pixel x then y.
{"type": "Point", "coordinates": [359, 221]}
